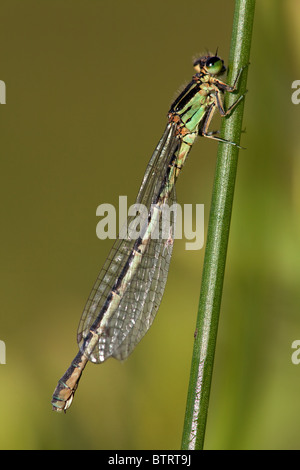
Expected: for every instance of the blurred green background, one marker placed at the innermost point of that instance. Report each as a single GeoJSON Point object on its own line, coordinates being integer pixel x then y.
{"type": "Point", "coordinates": [89, 84]}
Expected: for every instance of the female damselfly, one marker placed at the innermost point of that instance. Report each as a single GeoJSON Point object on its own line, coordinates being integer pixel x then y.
{"type": "Point", "coordinates": [130, 286]}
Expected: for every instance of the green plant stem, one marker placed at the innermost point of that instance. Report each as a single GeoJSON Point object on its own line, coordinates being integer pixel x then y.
{"type": "Point", "coordinates": [217, 238]}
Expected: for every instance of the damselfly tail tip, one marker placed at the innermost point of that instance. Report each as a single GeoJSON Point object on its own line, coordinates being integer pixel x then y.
{"type": "Point", "coordinates": [58, 410]}
{"type": "Point", "coordinates": [60, 406]}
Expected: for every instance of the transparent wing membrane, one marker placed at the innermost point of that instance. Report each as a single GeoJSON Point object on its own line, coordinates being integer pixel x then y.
{"type": "Point", "coordinates": [140, 276]}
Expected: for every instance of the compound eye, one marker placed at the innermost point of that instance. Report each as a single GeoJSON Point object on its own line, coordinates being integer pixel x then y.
{"type": "Point", "coordinates": [215, 65]}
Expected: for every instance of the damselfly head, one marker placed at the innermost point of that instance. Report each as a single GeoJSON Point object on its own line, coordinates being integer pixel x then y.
{"type": "Point", "coordinates": [211, 64]}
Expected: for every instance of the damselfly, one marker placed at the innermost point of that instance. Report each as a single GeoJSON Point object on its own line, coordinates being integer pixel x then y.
{"type": "Point", "coordinates": [130, 286]}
